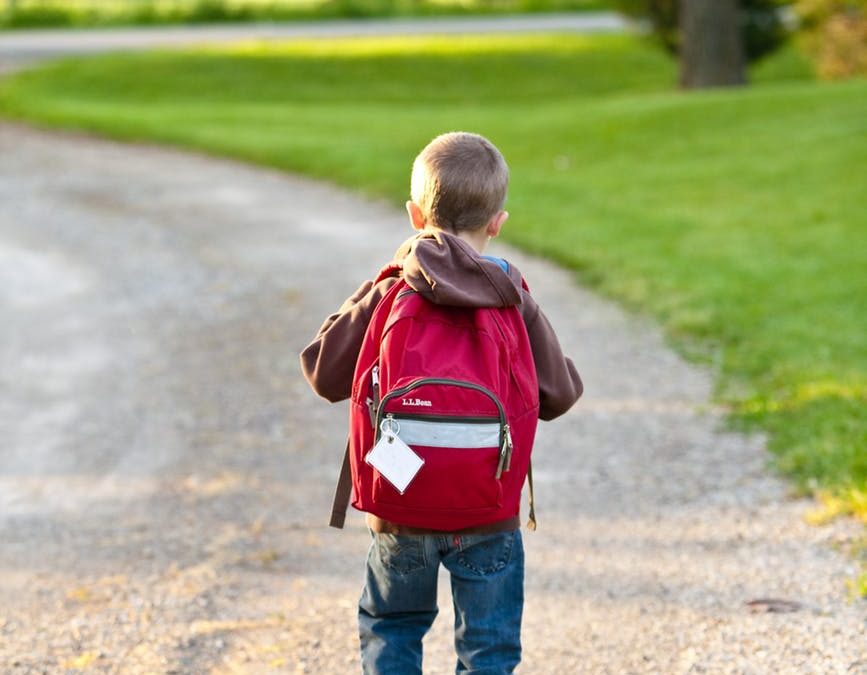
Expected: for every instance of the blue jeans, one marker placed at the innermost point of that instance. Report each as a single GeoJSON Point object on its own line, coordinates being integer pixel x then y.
{"type": "Point", "coordinates": [399, 602]}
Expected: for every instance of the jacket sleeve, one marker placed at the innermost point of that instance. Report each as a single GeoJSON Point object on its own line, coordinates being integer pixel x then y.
{"type": "Point", "coordinates": [559, 383]}
{"type": "Point", "coordinates": [328, 363]}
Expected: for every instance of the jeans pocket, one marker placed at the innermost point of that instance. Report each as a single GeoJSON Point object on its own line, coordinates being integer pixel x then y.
{"type": "Point", "coordinates": [486, 554]}
{"type": "Point", "coordinates": [401, 554]}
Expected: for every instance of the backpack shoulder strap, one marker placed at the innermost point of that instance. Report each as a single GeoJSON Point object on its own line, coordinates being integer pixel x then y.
{"type": "Point", "coordinates": [531, 523]}
{"type": "Point", "coordinates": [342, 493]}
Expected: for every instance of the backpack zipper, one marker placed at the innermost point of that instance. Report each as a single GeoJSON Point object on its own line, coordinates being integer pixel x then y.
{"type": "Point", "coordinates": [373, 402]}
{"type": "Point", "coordinates": [408, 291]}
{"type": "Point", "coordinates": [505, 453]}
{"type": "Point", "coordinates": [505, 433]}
{"type": "Point", "coordinates": [442, 418]}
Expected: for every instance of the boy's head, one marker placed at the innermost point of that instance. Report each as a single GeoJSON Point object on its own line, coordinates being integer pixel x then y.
{"type": "Point", "coordinates": [459, 184]}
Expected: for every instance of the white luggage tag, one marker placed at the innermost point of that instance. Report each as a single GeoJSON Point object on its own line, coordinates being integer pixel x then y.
{"type": "Point", "coordinates": [393, 458]}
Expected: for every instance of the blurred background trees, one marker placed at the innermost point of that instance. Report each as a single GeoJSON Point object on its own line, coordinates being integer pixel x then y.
{"type": "Point", "coordinates": [711, 48]}
{"type": "Point", "coordinates": [761, 22]}
{"type": "Point", "coordinates": [700, 32]}
{"type": "Point", "coordinates": [835, 35]}
{"type": "Point", "coordinates": [715, 39]}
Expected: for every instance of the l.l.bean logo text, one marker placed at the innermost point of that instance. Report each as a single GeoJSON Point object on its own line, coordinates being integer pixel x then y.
{"type": "Point", "coordinates": [415, 403]}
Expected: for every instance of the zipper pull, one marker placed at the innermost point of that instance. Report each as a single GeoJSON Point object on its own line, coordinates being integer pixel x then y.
{"type": "Point", "coordinates": [500, 464]}
{"type": "Point", "coordinates": [373, 403]}
{"type": "Point", "coordinates": [505, 453]}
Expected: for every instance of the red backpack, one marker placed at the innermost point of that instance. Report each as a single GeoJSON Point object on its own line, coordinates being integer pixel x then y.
{"type": "Point", "coordinates": [457, 386]}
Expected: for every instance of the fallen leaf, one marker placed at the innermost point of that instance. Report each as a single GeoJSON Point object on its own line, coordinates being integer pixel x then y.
{"type": "Point", "coordinates": [81, 661]}
{"type": "Point", "coordinates": [80, 594]}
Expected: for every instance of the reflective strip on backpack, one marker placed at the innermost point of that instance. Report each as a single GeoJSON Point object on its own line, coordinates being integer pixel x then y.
{"type": "Point", "coordinates": [468, 435]}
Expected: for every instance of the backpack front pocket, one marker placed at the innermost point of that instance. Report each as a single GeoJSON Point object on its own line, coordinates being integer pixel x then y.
{"type": "Point", "coordinates": [460, 464]}
{"type": "Point", "coordinates": [464, 454]}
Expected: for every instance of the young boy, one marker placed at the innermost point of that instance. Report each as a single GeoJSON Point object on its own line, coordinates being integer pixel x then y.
{"type": "Point", "coordinates": [458, 190]}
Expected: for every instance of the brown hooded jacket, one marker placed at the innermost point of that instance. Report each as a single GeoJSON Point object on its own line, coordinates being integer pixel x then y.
{"type": "Point", "coordinates": [446, 270]}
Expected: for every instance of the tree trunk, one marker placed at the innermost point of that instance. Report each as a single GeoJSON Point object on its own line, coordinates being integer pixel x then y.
{"type": "Point", "coordinates": [711, 49]}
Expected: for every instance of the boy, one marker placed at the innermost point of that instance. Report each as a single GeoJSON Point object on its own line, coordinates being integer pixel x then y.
{"type": "Point", "coordinates": [458, 191]}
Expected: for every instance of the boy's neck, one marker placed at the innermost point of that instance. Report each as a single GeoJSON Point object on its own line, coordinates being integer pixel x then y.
{"type": "Point", "coordinates": [478, 239]}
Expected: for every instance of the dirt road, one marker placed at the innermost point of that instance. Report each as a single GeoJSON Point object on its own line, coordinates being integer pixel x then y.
{"type": "Point", "coordinates": [165, 475]}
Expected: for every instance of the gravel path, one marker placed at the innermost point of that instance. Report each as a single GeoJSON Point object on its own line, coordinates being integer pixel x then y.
{"type": "Point", "coordinates": [165, 474]}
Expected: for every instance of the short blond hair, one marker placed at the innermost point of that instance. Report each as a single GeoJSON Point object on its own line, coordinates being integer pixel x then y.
{"type": "Point", "coordinates": [459, 181]}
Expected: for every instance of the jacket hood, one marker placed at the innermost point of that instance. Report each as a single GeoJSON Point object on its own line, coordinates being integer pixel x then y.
{"type": "Point", "coordinates": [448, 271]}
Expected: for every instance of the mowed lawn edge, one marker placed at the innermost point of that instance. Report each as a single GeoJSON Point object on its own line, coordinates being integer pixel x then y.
{"type": "Point", "coordinates": [735, 218]}
{"type": "Point", "coordinates": [99, 13]}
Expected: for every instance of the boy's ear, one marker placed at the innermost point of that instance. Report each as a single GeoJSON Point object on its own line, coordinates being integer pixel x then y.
{"type": "Point", "coordinates": [496, 224]}
{"type": "Point", "coordinates": [416, 217]}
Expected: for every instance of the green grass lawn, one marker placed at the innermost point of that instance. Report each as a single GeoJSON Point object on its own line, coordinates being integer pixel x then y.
{"type": "Point", "coordinates": [736, 218]}
{"type": "Point", "coordinates": [79, 13]}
